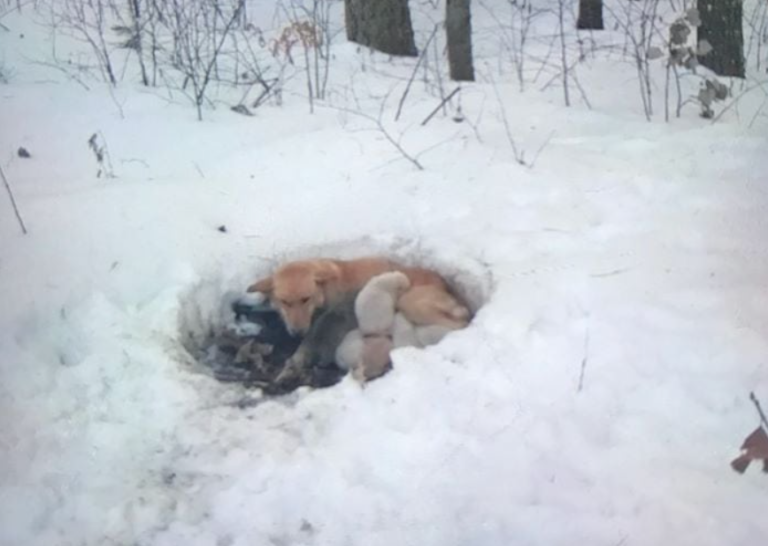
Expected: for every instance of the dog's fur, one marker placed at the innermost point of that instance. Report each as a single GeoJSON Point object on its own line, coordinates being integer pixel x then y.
{"type": "Point", "coordinates": [297, 289]}
{"type": "Point", "coordinates": [429, 304]}
{"type": "Point", "coordinates": [406, 334]}
{"type": "Point", "coordinates": [420, 276]}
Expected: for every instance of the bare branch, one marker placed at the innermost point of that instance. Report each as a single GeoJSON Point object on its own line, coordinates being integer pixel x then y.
{"type": "Point", "coordinates": [383, 130]}
{"type": "Point", "coordinates": [439, 106]}
{"type": "Point", "coordinates": [13, 202]}
{"type": "Point", "coordinates": [756, 402]}
{"type": "Point", "coordinates": [424, 53]}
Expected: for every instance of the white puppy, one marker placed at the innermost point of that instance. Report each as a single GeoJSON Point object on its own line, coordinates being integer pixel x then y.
{"type": "Point", "coordinates": [349, 351]}
{"type": "Point", "coordinates": [375, 304]}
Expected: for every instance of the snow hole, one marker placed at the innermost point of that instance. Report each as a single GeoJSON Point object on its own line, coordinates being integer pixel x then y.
{"type": "Point", "coordinates": [214, 329]}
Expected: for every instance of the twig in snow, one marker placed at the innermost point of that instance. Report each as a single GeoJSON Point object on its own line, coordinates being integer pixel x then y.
{"type": "Point", "coordinates": [736, 100]}
{"type": "Point", "coordinates": [584, 361]}
{"type": "Point", "coordinates": [442, 103]}
{"type": "Point", "coordinates": [13, 202]}
{"type": "Point", "coordinates": [610, 273]}
{"type": "Point", "coordinates": [380, 126]}
{"type": "Point", "coordinates": [395, 143]}
{"type": "Point", "coordinates": [541, 149]}
{"type": "Point", "coordinates": [413, 74]}
{"type": "Point", "coordinates": [135, 160]}
{"type": "Point", "coordinates": [519, 155]}
{"type": "Point", "coordinates": [98, 145]}
{"type": "Point", "coordinates": [116, 102]}
{"type": "Point", "coordinates": [64, 70]}
{"type": "Point", "coordinates": [563, 52]}
{"type": "Point", "coordinates": [756, 402]}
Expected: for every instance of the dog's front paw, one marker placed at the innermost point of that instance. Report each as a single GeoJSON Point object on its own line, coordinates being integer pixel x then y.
{"type": "Point", "coordinates": [298, 360]}
{"type": "Point", "coordinates": [290, 377]}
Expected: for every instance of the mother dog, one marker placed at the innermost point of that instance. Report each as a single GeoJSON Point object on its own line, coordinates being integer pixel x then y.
{"type": "Point", "coordinates": [297, 289]}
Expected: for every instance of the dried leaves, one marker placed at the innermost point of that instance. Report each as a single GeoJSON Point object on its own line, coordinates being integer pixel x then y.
{"type": "Point", "coordinates": [754, 448]}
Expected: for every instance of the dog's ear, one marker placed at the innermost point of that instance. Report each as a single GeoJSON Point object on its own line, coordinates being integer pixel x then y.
{"type": "Point", "coordinates": [264, 286]}
{"type": "Point", "coordinates": [325, 272]}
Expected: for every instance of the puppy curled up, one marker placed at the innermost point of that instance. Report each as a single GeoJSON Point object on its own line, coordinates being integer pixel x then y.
{"type": "Point", "coordinates": [375, 305]}
{"type": "Point", "coordinates": [367, 357]}
{"type": "Point", "coordinates": [365, 351]}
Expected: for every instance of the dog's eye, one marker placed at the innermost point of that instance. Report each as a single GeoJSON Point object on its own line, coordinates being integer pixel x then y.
{"type": "Point", "coordinates": [285, 303]}
{"type": "Point", "coordinates": [304, 301]}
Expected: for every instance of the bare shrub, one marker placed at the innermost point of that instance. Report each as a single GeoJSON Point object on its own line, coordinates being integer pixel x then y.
{"type": "Point", "coordinates": [200, 29]}
{"type": "Point", "coordinates": [89, 21]}
{"type": "Point", "coordinates": [638, 19]}
{"type": "Point", "coordinates": [515, 32]}
{"type": "Point", "coordinates": [309, 27]}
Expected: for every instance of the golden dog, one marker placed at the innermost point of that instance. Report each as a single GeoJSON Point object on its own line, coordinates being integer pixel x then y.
{"type": "Point", "coordinates": [297, 289]}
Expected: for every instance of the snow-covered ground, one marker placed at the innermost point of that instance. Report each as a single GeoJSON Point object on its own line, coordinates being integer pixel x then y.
{"type": "Point", "coordinates": [597, 397]}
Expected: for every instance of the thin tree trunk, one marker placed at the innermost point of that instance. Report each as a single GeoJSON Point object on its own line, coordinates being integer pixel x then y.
{"type": "Point", "coordinates": [721, 26]}
{"type": "Point", "coordinates": [383, 25]}
{"type": "Point", "coordinates": [590, 15]}
{"type": "Point", "coordinates": [138, 36]}
{"type": "Point", "coordinates": [458, 27]}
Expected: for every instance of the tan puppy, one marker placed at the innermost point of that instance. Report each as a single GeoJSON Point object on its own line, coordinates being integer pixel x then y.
{"type": "Point", "coordinates": [429, 304]}
{"type": "Point", "coordinates": [374, 360]}
{"type": "Point", "coordinates": [299, 288]}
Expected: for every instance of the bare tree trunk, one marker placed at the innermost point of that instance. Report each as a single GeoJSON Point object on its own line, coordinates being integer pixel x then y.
{"type": "Point", "coordinates": [590, 15]}
{"type": "Point", "coordinates": [458, 27]}
{"type": "Point", "coordinates": [383, 25]}
{"type": "Point", "coordinates": [138, 36]}
{"type": "Point", "coordinates": [721, 26]}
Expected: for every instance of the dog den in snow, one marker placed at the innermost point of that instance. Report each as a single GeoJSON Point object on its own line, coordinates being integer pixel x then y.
{"type": "Point", "coordinates": [242, 337]}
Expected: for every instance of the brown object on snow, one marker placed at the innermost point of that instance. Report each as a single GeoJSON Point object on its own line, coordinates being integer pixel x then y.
{"type": "Point", "coordinates": [754, 448]}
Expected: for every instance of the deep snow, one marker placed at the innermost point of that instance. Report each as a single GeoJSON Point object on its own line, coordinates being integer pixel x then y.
{"type": "Point", "coordinates": [633, 252]}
